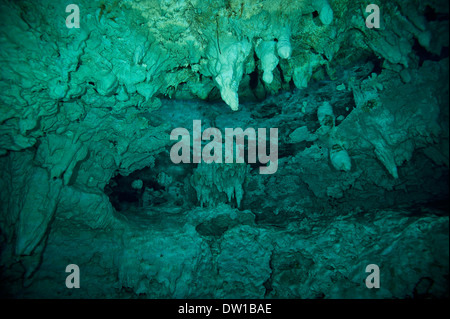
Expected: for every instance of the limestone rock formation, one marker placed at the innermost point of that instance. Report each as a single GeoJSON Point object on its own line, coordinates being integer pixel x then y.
{"type": "Point", "coordinates": [86, 176]}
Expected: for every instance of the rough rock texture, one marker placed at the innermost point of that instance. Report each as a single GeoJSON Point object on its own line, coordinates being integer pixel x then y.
{"type": "Point", "coordinates": [86, 177]}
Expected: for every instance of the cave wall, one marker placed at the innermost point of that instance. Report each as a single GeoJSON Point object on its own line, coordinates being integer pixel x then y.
{"type": "Point", "coordinates": [363, 141]}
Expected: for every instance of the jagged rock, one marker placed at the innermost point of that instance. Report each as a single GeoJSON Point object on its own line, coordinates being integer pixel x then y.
{"type": "Point", "coordinates": [86, 176]}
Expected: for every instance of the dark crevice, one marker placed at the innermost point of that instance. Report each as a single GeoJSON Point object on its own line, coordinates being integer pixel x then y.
{"type": "Point", "coordinates": [425, 55]}
{"type": "Point", "coordinates": [268, 283]}
{"type": "Point", "coordinates": [292, 86]}
{"type": "Point", "coordinates": [431, 15]}
{"type": "Point", "coordinates": [123, 196]}
{"type": "Point", "coordinates": [254, 79]}
{"type": "Point", "coordinates": [281, 73]}
{"type": "Point", "coordinates": [377, 65]}
{"type": "Point", "coordinates": [254, 76]}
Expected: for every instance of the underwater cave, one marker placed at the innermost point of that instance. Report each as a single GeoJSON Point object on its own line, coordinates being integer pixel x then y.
{"type": "Point", "coordinates": [323, 148]}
